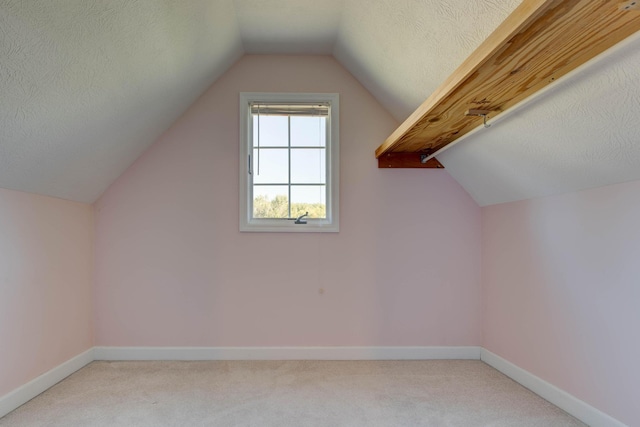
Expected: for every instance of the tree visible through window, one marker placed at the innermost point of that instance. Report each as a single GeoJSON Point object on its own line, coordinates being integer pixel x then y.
{"type": "Point", "coordinates": [290, 147]}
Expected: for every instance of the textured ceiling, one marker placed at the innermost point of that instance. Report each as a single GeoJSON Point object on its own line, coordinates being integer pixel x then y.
{"type": "Point", "coordinates": [286, 26]}
{"type": "Point", "coordinates": [88, 85]}
{"type": "Point", "coordinates": [401, 50]}
{"type": "Point", "coordinates": [583, 132]}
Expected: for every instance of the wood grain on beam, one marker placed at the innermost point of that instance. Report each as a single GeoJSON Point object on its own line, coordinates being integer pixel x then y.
{"type": "Point", "coordinates": [407, 160]}
{"type": "Point", "coordinates": [541, 41]}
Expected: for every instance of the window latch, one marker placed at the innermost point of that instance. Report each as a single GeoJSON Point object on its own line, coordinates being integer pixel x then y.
{"type": "Point", "coordinates": [299, 220]}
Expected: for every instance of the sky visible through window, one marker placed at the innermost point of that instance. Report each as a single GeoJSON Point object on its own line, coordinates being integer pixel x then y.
{"type": "Point", "coordinates": [305, 180]}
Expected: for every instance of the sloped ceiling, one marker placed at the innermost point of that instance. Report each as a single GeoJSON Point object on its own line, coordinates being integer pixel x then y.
{"type": "Point", "coordinates": [401, 50]}
{"type": "Point", "coordinates": [582, 133]}
{"type": "Point", "coordinates": [88, 85]}
{"type": "Point", "coordinates": [289, 27]}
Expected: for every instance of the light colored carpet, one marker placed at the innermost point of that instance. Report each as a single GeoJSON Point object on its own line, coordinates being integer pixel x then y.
{"type": "Point", "coordinates": [289, 393]}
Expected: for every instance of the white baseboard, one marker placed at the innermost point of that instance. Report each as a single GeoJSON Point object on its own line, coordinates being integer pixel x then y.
{"type": "Point", "coordinates": [285, 353]}
{"type": "Point", "coordinates": [574, 406]}
{"type": "Point", "coordinates": [25, 393]}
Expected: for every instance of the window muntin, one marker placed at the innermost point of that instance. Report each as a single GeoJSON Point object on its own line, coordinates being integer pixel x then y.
{"type": "Point", "coordinates": [290, 146]}
{"type": "Point", "coordinates": [292, 167]}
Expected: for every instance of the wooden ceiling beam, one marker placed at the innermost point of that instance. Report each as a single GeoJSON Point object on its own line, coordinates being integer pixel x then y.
{"type": "Point", "coordinates": [541, 41]}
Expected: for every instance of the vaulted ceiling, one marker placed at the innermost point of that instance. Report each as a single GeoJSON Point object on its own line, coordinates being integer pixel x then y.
{"type": "Point", "coordinates": [87, 86]}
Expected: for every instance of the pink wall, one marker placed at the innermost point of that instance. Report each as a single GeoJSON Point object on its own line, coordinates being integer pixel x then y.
{"type": "Point", "coordinates": [561, 279]}
{"type": "Point", "coordinates": [560, 274]}
{"type": "Point", "coordinates": [45, 284]}
{"type": "Point", "coordinates": [172, 268]}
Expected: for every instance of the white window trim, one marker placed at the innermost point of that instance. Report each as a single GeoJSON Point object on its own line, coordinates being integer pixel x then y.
{"type": "Point", "coordinates": [331, 223]}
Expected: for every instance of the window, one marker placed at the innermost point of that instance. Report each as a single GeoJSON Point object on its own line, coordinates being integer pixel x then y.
{"type": "Point", "coordinates": [289, 162]}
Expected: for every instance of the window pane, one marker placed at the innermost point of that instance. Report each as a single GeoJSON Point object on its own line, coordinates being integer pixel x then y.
{"type": "Point", "coordinates": [270, 201]}
{"type": "Point", "coordinates": [309, 198]}
{"type": "Point", "coordinates": [308, 131]}
{"type": "Point", "coordinates": [271, 166]}
{"type": "Point", "coordinates": [308, 166]}
{"type": "Point", "coordinates": [274, 131]}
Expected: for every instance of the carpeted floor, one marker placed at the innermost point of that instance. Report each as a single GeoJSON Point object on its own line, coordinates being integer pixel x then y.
{"type": "Point", "coordinates": [289, 393]}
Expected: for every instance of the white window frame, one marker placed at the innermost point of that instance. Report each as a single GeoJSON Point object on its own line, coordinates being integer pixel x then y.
{"type": "Point", "coordinates": [328, 224]}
